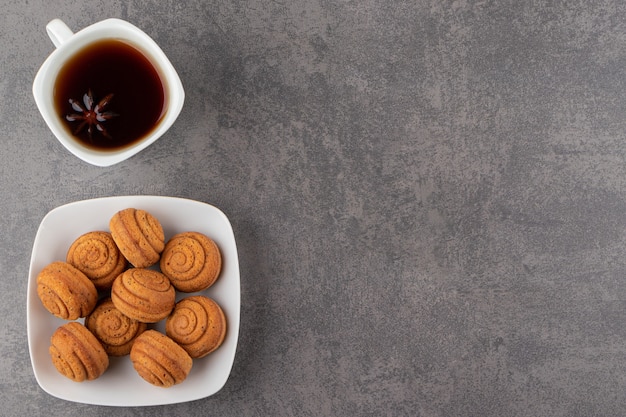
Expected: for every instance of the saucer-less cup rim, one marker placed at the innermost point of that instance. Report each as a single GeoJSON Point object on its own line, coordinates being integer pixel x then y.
{"type": "Point", "coordinates": [67, 44]}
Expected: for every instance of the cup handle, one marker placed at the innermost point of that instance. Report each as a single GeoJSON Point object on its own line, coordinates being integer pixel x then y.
{"type": "Point", "coordinates": [58, 32]}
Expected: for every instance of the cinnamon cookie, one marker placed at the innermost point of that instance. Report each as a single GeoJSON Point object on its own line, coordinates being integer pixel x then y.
{"type": "Point", "coordinates": [138, 235]}
{"type": "Point", "coordinates": [191, 261]}
{"type": "Point", "coordinates": [65, 291]}
{"type": "Point", "coordinates": [114, 330]}
{"type": "Point", "coordinates": [76, 353]}
{"type": "Point", "coordinates": [143, 294]}
{"type": "Point", "coordinates": [197, 324]}
{"type": "Point", "coordinates": [97, 256]}
{"type": "Point", "coordinates": [159, 360]}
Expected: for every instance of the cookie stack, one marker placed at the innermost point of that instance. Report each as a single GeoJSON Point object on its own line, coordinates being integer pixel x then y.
{"type": "Point", "coordinates": [122, 282]}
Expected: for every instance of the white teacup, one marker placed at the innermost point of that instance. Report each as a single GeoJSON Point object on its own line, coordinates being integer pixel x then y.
{"type": "Point", "coordinates": [68, 44]}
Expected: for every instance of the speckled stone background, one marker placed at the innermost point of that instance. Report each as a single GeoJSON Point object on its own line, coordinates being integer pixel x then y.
{"type": "Point", "coordinates": [428, 197]}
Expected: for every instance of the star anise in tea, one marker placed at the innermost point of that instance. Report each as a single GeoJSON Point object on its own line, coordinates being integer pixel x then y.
{"type": "Point", "coordinates": [90, 115]}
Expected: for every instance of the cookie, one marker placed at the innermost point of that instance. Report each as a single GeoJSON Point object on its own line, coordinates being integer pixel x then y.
{"type": "Point", "coordinates": [114, 330]}
{"type": "Point", "coordinates": [96, 255]}
{"type": "Point", "coordinates": [159, 360]}
{"type": "Point", "coordinates": [76, 353]}
{"type": "Point", "coordinates": [138, 235]}
{"type": "Point", "coordinates": [192, 261]}
{"type": "Point", "coordinates": [197, 324]}
{"type": "Point", "coordinates": [143, 294]}
{"type": "Point", "coordinates": [65, 291]}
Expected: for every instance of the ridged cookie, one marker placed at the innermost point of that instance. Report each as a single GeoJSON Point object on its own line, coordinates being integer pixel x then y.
{"type": "Point", "coordinates": [138, 235]}
{"type": "Point", "coordinates": [76, 353]}
{"type": "Point", "coordinates": [197, 324]}
{"type": "Point", "coordinates": [143, 294]}
{"type": "Point", "coordinates": [159, 360]}
{"type": "Point", "coordinates": [114, 330]}
{"type": "Point", "coordinates": [97, 256]}
{"type": "Point", "coordinates": [65, 291]}
{"type": "Point", "coordinates": [192, 261]}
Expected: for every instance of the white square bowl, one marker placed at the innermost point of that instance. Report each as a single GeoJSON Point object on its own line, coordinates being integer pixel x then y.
{"type": "Point", "coordinates": [120, 385]}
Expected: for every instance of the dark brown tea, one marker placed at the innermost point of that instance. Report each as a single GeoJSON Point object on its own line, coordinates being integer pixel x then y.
{"type": "Point", "coordinates": [109, 95]}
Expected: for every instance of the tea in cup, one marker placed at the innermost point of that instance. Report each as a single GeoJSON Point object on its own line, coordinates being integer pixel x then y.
{"type": "Point", "coordinates": [107, 91]}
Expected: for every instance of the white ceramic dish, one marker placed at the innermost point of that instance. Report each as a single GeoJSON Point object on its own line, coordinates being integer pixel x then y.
{"type": "Point", "coordinates": [121, 385]}
{"type": "Point", "coordinates": [67, 44]}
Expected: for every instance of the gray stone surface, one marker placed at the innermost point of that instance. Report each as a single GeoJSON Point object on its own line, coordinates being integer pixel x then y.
{"type": "Point", "coordinates": [428, 197]}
